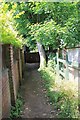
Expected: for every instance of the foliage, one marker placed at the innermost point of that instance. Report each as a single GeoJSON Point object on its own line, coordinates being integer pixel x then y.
{"type": "Point", "coordinates": [51, 62]}
{"type": "Point", "coordinates": [63, 95]}
{"type": "Point", "coordinates": [8, 33]}
{"type": "Point", "coordinates": [61, 29]}
{"type": "Point", "coordinates": [71, 35]}
{"type": "Point", "coordinates": [46, 33]}
{"type": "Point", "coordinates": [16, 110]}
{"type": "Point", "coordinates": [55, 24]}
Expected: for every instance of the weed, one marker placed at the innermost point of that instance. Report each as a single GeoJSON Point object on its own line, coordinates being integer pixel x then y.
{"type": "Point", "coordinates": [16, 110]}
{"type": "Point", "coordinates": [64, 95]}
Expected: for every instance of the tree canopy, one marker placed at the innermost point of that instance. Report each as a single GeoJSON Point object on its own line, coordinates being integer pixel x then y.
{"type": "Point", "coordinates": [54, 24]}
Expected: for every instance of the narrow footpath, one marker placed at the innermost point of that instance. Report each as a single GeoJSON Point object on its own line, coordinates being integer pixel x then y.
{"type": "Point", "coordinates": [36, 103]}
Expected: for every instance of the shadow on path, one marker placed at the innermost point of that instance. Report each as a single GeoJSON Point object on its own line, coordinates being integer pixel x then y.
{"type": "Point", "coordinates": [36, 103]}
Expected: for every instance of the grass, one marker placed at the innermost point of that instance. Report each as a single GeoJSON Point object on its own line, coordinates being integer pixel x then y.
{"type": "Point", "coordinates": [63, 95]}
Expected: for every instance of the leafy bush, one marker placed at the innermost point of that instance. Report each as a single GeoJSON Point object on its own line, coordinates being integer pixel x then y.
{"type": "Point", "coordinates": [8, 32]}
{"type": "Point", "coordinates": [63, 95]}
{"type": "Point", "coordinates": [52, 60]}
{"type": "Point", "coordinates": [16, 110]}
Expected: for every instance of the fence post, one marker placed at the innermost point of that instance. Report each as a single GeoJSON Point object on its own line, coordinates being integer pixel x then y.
{"type": "Point", "coordinates": [19, 66]}
{"type": "Point", "coordinates": [67, 70]}
{"type": "Point", "coordinates": [11, 75]}
{"type": "Point", "coordinates": [23, 63]}
{"type": "Point", "coordinates": [57, 67]}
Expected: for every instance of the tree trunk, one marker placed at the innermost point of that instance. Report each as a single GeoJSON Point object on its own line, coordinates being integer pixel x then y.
{"type": "Point", "coordinates": [42, 55]}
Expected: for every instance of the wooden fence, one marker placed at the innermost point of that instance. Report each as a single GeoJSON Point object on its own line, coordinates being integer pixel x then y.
{"type": "Point", "coordinates": [12, 68]}
{"type": "Point", "coordinates": [68, 71]}
{"type": "Point", "coordinates": [34, 57]}
{"type": "Point", "coordinates": [0, 81]}
{"type": "Point", "coordinates": [62, 68]}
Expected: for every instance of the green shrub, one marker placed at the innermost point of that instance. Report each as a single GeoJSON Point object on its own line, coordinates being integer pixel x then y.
{"type": "Point", "coordinates": [8, 30]}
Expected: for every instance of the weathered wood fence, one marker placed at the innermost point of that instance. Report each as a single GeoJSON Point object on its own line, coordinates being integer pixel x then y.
{"type": "Point", "coordinates": [12, 68]}
{"type": "Point", "coordinates": [33, 57]}
{"type": "Point", "coordinates": [0, 81]}
{"type": "Point", "coordinates": [69, 70]}
{"type": "Point", "coordinates": [62, 67]}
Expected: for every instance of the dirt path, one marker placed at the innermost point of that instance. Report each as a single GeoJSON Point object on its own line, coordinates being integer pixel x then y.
{"type": "Point", "coordinates": [36, 103]}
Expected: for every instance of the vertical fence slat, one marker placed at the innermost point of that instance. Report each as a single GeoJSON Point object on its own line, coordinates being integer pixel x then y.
{"type": "Point", "coordinates": [66, 71]}
{"type": "Point", "coordinates": [0, 81]}
{"type": "Point", "coordinates": [57, 67]}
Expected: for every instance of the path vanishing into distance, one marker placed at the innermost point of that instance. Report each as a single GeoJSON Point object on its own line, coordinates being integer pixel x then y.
{"type": "Point", "coordinates": [36, 103]}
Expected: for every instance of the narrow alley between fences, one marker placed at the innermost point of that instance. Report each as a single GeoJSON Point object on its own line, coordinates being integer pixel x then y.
{"type": "Point", "coordinates": [36, 103]}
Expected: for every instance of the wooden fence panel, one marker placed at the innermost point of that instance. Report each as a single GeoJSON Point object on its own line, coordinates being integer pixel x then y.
{"type": "Point", "coordinates": [0, 81]}
{"type": "Point", "coordinates": [65, 72]}
{"type": "Point", "coordinates": [6, 102]}
{"type": "Point", "coordinates": [13, 61]}
{"type": "Point", "coordinates": [70, 69]}
{"type": "Point", "coordinates": [32, 57]}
